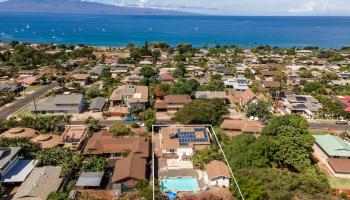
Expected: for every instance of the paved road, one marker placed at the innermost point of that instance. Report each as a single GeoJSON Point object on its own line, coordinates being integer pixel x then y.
{"type": "Point", "coordinates": [333, 126]}
{"type": "Point", "coordinates": [312, 125]}
{"type": "Point", "coordinates": [111, 122]}
{"type": "Point", "coordinates": [7, 111]}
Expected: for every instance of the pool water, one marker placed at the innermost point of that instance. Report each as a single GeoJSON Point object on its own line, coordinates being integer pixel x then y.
{"type": "Point", "coordinates": [179, 184]}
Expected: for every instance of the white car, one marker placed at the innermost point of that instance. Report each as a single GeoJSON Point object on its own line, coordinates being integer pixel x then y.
{"type": "Point", "coordinates": [341, 121]}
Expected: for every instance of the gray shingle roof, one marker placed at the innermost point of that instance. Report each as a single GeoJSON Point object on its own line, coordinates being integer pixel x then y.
{"type": "Point", "coordinates": [97, 103]}
{"type": "Point", "coordinates": [40, 183]}
{"type": "Point", "coordinates": [68, 99]}
{"type": "Point", "coordinates": [97, 69]}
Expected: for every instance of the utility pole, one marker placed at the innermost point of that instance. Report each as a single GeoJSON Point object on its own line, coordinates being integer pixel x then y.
{"type": "Point", "coordinates": [36, 114]}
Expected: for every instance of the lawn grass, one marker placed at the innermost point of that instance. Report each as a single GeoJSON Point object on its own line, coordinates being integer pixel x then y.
{"type": "Point", "coordinates": [33, 88]}
{"type": "Point", "coordinates": [24, 112]}
{"type": "Point", "coordinates": [317, 132]}
{"type": "Point", "coordinates": [339, 183]}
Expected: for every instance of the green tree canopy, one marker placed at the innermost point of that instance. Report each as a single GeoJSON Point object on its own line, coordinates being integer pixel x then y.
{"type": "Point", "coordinates": [314, 88]}
{"type": "Point", "coordinates": [245, 151]}
{"type": "Point", "coordinates": [148, 72]}
{"type": "Point", "coordinates": [94, 164]}
{"type": "Point", "coordinates": [185, 87]}
{"type": "Point", "coordinates": [120, 129]}
{"type": "Point", "coordinates": [288, 142]}
{"type": "Point", "coordinates": [259, 109]}
{"type": "Point", "coordinates": [202, 111]}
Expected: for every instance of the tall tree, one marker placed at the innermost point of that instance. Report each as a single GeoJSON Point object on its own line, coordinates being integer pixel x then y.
{"type": "Point", "coordinates": [288, 142]}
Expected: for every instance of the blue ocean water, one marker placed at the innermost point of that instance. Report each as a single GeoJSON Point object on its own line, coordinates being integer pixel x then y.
{"type": "Point", "coordinates": [112, 30]}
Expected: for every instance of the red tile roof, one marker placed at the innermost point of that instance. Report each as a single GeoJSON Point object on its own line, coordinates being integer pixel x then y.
{"type": "Point", "coordinates": [344, 101]}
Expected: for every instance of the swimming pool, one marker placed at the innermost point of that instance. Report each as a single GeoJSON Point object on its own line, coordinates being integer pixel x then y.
{"type": "Point", "coordinates": [179, 184]}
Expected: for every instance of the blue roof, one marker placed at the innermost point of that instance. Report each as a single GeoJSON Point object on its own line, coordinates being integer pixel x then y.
{"type": "Point", "coordinates": [19, 172]}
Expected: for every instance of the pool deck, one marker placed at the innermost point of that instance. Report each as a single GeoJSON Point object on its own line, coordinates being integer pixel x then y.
{"type": "Point", "coordinates": [178, 173]}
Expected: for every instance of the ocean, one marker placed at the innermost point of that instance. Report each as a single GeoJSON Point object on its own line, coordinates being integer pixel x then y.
{"type": "Point", "coordinates": [114, 30]}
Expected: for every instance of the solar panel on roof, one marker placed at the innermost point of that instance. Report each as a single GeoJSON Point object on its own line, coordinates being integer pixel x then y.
{"type": "Point", "coordinates": [300, 98]}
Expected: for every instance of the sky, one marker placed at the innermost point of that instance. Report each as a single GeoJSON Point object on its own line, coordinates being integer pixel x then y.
{"type": "Point", "coordinates": [245, 7]}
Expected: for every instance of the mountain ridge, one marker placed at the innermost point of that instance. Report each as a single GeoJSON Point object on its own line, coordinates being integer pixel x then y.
{"type": "Point", "coordinates": [79, 7]}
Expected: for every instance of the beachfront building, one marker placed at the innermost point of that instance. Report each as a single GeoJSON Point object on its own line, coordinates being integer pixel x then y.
{"type": "Point", "coordinates": [333, 153]}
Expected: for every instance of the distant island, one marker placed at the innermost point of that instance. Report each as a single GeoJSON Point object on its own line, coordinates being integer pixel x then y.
{"type": "Point", "coordinates": [79, 7]}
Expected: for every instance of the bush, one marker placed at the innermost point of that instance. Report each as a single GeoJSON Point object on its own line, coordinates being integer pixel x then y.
{"type": "Point", "coordinates": [120, 130]}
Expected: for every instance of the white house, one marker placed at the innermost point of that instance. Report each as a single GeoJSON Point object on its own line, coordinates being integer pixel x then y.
{"type": "Point", "coordinates": [218, 174]}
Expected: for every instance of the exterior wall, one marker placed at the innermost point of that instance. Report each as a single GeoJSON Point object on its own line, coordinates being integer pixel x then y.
{"type": "Point", "coordinates": [220, 181]}
{"type": "Point", "coordinates": [323, 158]}
{"type": "Point", "coordinates": [184, 151]}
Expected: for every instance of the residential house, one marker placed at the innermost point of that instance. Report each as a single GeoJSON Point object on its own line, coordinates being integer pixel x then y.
{"type": "Point", "coordinates": [269, 85]}
{"type": "Point", "coordinates": [134, 78]}
{"type": "Point", "coordinates": [183, 141]}
{"type": "Point", "coordinates": [240, 68]}
{"type": "Point", "coordinates": [195, 70]}
{"type": "Point", "coordinates": [343, 101]}
{"type": "Point", "coordinates": [59, 104]}
{"type": "Point", "coordinates": [172, 103]}
{"type": "Point", "coordinates": [333, 153]}
{"type": "Point", "coordinates": [96, 71]}
{"type": "Point", "coordinates": [306, 105]}
{"type": "Point", "coordinates": [239, 84]}
{"type": "Point", "coordinates": [73, 136]}
{"type": "Point", "coordinates": [11, 87]}
{"type": "Point", "coordinates": [88, 180]}
{"type": "Point", "coordinates": [145, 63]}
{"type": "Point", "coordinates": [243, 99]}
{"type": "Point", "coordinates": [130, 95]}
{"type": "Point", "coordinates": [223, 71]}
{"type": "Point", "coordinates": [211, 95]}
{"type": "Point", "coordinates": [341, 82]}
{"type": "Point", "coordinates": [237, 126]}
{"type": "Point", "coordinates": [12, 168]}
{"type": "Point", "coordinates": [107, 144]}
{"type": "Point", "coordinates": [218, 174]}
{"type": "Point", "coordinates": [268, 75]}
{"type": "Point", "coordinates": [39, 184]}
{"type": "Point", "coordinates": [97, 104]}
{"type": "Point", "coordinates": [128, 171]}
{"type": "Point", "coordinates": [82, 79]}
{"type": "Point", "coordinates": [28, 80]}
{"type": "Point", "coordinates": [166, 78]}
{"type": "Point", "coordinates": [120, 69]}
{"type": "Point", "coordinates": [26, 73]}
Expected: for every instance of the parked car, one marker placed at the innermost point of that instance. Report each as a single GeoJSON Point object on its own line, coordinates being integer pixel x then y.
{"type": "Point", "coordinates": [129, 118]}
{"type": "Point", "coordinates": [341, 121]}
